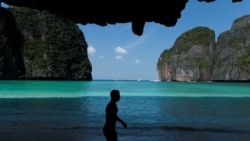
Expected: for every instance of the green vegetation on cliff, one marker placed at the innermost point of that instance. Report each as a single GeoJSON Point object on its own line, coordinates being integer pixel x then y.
{"type": "Point", "coordinates": [196, 36]}
{"type": "Point", "coordinates": [190, 59]}
{"type": "Point", "coordinates": [52, 47]}
{"type": "Point", "coordinates": [196, 56]}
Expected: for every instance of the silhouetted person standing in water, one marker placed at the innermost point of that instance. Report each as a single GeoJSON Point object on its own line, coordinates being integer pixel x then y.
{"type": "Point", "coordinates": [111, 117]}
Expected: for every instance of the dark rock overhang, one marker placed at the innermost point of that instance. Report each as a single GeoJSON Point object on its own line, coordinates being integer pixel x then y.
{"type": "Point", "coordinates": [111, 12]}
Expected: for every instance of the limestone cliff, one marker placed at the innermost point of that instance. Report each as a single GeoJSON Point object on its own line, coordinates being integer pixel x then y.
{"type": "Point", "coordinates": [232, 52]}
{"type": "Point", "coordinates": [40, 45]}
{"type": "Point", "coordinates": [191, 57]}
{"type": "Point", "coordinates": [11, 61]}
{"type": "Point", "coordinates": [196, 56]}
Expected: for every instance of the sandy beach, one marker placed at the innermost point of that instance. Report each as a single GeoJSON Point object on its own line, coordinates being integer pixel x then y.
{"type": "Point", "coordinates": [146, 134]}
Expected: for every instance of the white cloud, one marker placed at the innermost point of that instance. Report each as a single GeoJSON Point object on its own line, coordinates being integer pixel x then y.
{"type": "Point", "coordinates": [121, 50]}
{"type": "Point", "coordinates": [91, 50]}
{"type": "Point", "coordinates": [137, 62]}
{"type": "Point", "coordinates": [119, 57]}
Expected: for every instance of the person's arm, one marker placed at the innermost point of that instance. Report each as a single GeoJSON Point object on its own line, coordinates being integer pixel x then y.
{"type": "Point", "coordinates": [121, 121]}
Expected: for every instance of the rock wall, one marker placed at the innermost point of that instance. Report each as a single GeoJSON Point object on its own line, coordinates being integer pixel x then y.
{"type": "Point", "coordinates": [232, 52]}
{"type": "Point", "coordinates": [191, 57]}
{"type": "Point", "coordinates": [40, 45]}
{"type": "Point", "coordinates": [196, 56]}
{"type": "Point", "coordinates": [11, 60]}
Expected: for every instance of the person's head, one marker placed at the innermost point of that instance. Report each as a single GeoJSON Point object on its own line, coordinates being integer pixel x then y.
{"type": "Point", "coordinates": [115, 95]}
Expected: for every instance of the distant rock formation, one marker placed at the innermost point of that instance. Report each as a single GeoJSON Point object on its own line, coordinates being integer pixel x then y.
{"type": "Point", "coordinates": [40, 45]}
{"type": "Point", "coordinates": [232, 52]}
{"type": "Point", "coordinates": [196, 56]}
{"type": "Point", "coordinates": [191, 57]}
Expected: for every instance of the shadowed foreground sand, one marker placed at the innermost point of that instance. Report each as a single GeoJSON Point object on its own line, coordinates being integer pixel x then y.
{"type": "Point", "coordinates": [135, 134]}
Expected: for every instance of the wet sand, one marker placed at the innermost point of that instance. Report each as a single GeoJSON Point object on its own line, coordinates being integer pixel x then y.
{"type": "Point", "coordinates": [135, 134]}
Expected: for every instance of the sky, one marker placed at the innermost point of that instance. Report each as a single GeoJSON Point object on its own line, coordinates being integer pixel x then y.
{"type": "Point", "coordinates": [116, 53]}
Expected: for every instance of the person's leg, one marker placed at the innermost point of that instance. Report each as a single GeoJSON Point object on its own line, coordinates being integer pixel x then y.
{"type": "Point", "coordinates": [110, 136]}
{"type": "Point", "coordinates": [105, 134]}
{"type": "Point", "coordinates": [115, 136]}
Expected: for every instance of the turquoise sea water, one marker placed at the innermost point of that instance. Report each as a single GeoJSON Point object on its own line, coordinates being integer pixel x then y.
{"type": "Point", "coordinates": [166, 111]}
{"type": "Point", "coordinates": [59, 89]}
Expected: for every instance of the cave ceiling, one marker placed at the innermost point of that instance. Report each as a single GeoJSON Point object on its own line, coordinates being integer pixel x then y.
{"type": "Point", "coordinates": [111, 12]}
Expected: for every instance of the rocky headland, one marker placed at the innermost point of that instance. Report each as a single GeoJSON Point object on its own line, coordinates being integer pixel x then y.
{"type": "Point", "coordinates": [197, 56]}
